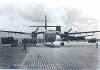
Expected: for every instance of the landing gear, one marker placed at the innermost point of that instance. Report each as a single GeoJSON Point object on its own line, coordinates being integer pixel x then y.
{"type": "Point", "coordinates": [34, 38]}
{"type": "Point", "coordinates": [62, 44]}
{"type": "Point", "coordinates": [96, 43]}
{"type": "Point", "coordinates": [24, 48]}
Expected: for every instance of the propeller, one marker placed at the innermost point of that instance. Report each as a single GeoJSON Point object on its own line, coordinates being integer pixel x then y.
{"type": "Point", "coordinates": [36, 29]}
{"type": "Point", "coordinates": [69, 30]}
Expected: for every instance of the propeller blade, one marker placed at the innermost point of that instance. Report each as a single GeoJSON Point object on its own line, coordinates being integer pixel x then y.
{"type": "Point", "coordinates": [69, 30]}
{"type": "Point", "coordinates": [36, 29]}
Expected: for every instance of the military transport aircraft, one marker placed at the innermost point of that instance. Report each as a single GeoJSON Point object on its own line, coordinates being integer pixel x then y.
{"type": "Point", "coordinates": [50, 35]}
{"type": "Point", "coordinates": [67, 36]}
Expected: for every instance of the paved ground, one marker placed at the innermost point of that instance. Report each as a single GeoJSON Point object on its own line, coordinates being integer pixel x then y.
{"type": "Point", "coordinates": [70, 57]}
{"type": "Point", "coordinates": [63, 58]}
{"type": "Point", "coordinates": [10, 57]}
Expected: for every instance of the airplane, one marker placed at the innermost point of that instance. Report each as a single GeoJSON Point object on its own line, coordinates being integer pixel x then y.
{"type": "Point", "coordinates": [66, 36]}
{"type": "Point", "coordinates": [50, 35]}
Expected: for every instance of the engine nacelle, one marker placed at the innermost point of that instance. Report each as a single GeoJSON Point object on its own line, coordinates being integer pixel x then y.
{"type": "Point", "coordinates": [92, 40]}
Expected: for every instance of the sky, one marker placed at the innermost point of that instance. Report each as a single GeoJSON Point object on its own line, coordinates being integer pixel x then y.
{"type": "Point", "coordinates": [80, 15]}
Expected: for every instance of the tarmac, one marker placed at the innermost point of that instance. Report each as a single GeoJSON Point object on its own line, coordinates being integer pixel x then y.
{"type": "Point", "coordinates": [69, 57]}
{"type": "Point", "coordinates": [62, 58]}
{"type": "Point", "coordinates": [10, 57]}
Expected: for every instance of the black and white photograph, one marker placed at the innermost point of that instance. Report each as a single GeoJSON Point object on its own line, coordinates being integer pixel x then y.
{"type": "Point", "coordinates": [50, 34]}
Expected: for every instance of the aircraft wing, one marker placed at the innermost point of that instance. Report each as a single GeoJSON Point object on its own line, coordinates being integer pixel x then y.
{"type": "Point", "coordinates": [14, 32]}
{"type": "Point", "coordinates": [42, 26]}
{"type": "Point", "coordinates": [84, 32]}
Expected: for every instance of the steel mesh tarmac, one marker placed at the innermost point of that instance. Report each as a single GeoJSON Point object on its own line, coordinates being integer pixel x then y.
{"type": "Point", "coordinates": [63, 58]}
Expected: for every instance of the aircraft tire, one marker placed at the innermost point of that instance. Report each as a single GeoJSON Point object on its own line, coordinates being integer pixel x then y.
{"type": "Point", "coordinates": [62, 44]}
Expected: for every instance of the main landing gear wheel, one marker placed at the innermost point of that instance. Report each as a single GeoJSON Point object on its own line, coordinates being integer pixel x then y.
{"type": "Point", "coordinates": [62, 44]}
{"type": "Point", "coordinates": [96, 43]}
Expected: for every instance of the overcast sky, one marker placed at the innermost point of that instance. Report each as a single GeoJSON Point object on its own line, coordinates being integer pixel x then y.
{"type": "Point", "coordinates": [81, 15]}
